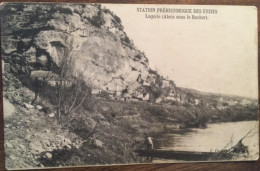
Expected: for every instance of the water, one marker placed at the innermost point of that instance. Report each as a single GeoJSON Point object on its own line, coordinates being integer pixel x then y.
{"type": "Point", "coordinates": [214, 137]}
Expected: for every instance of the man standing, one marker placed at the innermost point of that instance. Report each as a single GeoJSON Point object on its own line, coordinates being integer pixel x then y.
{"type": "Point", "coordinates": [149, 143]}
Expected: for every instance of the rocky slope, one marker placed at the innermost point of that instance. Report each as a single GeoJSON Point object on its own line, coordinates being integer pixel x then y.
{"type": "Point", "coordinates": [108, 134]}
{"type": "Point", "coordinates": [42, 37]}
{"type": "Point", "coordinates": [26, 136]}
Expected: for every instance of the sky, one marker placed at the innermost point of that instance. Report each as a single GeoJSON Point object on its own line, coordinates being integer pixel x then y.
{"type": "Point", "coordinates": [216, 55]}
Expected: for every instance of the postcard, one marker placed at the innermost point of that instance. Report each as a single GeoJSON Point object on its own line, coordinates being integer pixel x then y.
{"type": "Point", "coordinates": [105, 84]}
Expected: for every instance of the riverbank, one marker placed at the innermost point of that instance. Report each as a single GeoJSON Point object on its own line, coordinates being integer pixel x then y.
{"type": "Point", "coordinates": [103, 131]}
{"type": "Point", "coordinates": [121, 129]}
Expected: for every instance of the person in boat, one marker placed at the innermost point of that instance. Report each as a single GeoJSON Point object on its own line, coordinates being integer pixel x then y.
{"type": "Point", "coordinates": [149, 143]}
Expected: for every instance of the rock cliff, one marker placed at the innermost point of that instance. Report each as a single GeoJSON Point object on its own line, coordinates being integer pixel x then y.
{"type": "Point", "coordinates": [43, 36]}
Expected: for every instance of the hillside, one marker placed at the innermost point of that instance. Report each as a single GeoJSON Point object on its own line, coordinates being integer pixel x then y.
{"type": "Point", "coordinates": [77, 91]}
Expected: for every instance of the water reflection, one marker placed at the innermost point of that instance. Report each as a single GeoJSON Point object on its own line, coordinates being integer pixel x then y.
{"type": "Point", "coordinates": [213, 138]}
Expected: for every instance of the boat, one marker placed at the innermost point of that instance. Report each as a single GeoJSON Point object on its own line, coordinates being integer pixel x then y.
{"type": "Point", "coordinates": [180, 155]}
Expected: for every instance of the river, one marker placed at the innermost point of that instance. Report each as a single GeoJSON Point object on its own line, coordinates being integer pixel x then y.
{"type": "Point", "coordinates": [215, 137]}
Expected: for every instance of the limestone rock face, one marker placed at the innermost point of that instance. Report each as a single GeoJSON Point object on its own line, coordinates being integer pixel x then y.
{"type": "Point", "coordinates": [41, 37]}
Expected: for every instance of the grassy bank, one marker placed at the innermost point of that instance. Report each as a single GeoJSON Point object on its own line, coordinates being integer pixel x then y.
{"type": "Point", "coordinates": [121, 128]}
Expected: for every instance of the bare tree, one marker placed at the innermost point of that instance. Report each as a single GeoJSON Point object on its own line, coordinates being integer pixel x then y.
{"type": "Point", "coordinates": [71, 90]}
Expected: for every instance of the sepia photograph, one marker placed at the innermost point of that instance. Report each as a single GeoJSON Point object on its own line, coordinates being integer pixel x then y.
{"type": "Point", "coordinates": [112, 84]}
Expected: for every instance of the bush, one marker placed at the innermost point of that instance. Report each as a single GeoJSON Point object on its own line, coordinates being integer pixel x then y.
{"type": "Point", "coordinates": [138, 56]}
{"type": "Point", "coordinates": [117, 19]}
{"type": "Point", "coordinates": [66, 11]}
{"type": "Point", "coordinates": [103, 94]}
{"type": "Point", "coordinates": [97, 20]}
{"type": "Point", "coordinates": [126, 39]}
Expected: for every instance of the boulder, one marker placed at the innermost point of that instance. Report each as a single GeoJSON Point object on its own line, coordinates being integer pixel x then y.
{"type": "Point", "coordinates": [28, 106]}
{"type": "Point", "coordinates": [48, 155]}
{"type": "Point", "coordinates": [28, 137]}
{"type": "Point", "coordinates": [97, 143]}
{"type": "Point", "coordinates": [51, 115]}
{"type": "Point", "coordinates": [7, 125]}
{"type": "Point", "coordinates": [39, 107]}
{"type": "Point", "coordinates": [36, 147]}
{"type": "Point", "coordinates": [65, 142]}
{"type": "Point", "coordinates": [8, 145]}
{"type": "Point", "coordinates": [12, 157]}
{"type": "Point", "coordinates": [68, 146]}
{"type": "Point", "coordinates": [22, 147]}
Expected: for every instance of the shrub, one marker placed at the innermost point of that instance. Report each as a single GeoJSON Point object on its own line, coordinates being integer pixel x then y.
{"type": "Point", "coordinates": [117, 19]}
{"type": "Point", "coordinates": [126, 39]}
{"type": "Point", "coordinates": [103, 94]}
{"type": "Point", "coordinates": [97, 20]}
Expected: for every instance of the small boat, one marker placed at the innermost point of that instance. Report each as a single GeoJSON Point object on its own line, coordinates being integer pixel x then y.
{"type": "Point", "coordinates": [179, 155]}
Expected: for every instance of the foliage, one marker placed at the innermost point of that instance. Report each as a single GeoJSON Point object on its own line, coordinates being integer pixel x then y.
{"type": "Point", "coordinates": [237, 151]}
{"type": "Point", "coordinates": [126, 39]}
{"type": "Point", "coordinates": [117, 19]}
{"type": "Point", "coordinates": [98, 19]}
{"type": "Point", "coordinates": [138, 56]}
{"type": "Point", "coordinates": [61, 9]}
{"type": "Point", "coordinates": [172, 84]}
